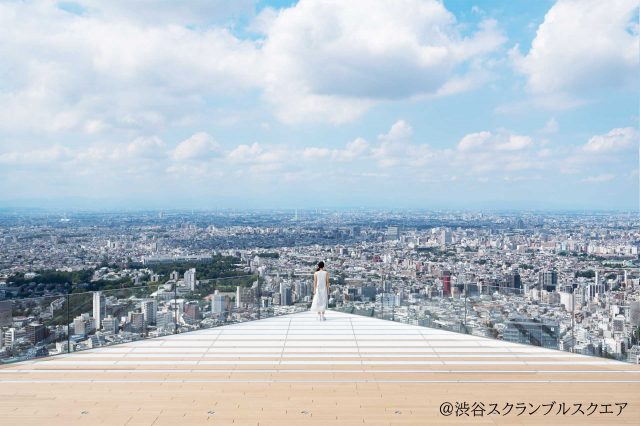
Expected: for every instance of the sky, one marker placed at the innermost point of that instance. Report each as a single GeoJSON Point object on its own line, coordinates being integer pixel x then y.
{"type": "Point", "coordinates": [320, 104]}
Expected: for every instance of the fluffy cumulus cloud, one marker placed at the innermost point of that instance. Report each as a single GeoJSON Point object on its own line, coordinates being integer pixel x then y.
{"type": "Point", "coordinates": [618, 139]}
{"type": "Point", "coordinates": [68, 72]}
{"type": "Point", "coordinates": [331, 60]}
{"type": "Point", "coordinates": [200, 146]}
{"type": "Point", "coordinates": [94, 66]}
{"type": "Point", "coordinates": [583, 45]}
{"type": "Point", "coordinates": [486, 141]}
{"type": "Point", "coordinates": [396, 157]}
{"type": "Point", "coordinates": [103, 95]}
{"type": "Point", "coordinates": [603, 154]}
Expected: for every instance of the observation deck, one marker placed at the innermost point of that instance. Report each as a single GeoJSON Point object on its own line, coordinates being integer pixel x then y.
{"type": "Point", "coordinates": [295, 370]}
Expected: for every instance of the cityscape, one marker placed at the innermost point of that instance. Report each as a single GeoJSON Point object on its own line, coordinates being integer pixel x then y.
{"type": "Point", "coordinates": [181, 181]}
{"type": "Point", "coordinates": [565, 281]}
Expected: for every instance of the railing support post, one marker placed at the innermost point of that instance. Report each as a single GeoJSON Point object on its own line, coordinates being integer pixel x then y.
{"type": "Point", "coordinates": [175, 308]}
{"type": "Point", "coordinates": [68, 327]}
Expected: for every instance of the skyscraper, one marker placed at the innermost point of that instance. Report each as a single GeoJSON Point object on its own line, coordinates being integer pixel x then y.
{"type": "Point", "coordinates": [149, 308]}
{"type": "Point", "coordinates": [218, 303]}
{"type": "Point", "coordinates": [446, 283]}
{"type": "Point", "coordinates": [445, 238]}
{"type": "Point", "coordinates": [6, 316]}
{"type": "Point", "coordinates": [515, 281]}
{"type": "Point", "coordinates": [98, 309]}
{"type": "Point", "coordinates": [548, 280]}
{"type": "Point", "coordinates": [392, 234]}
{"type": "Point", "coordinates": [110, 325]}
{"type": "Point", "coordinates": [136, 322]}
{"type": "Point", "coordinates": [191, 312]}
{"type": "Point", "coordinates": [286, 297]}
{"type": "Point", "coordinates": [36, 332]}
{"type": "Point", "coordinates": [190, 279]}
{"type": "Point", "coordinates": [244, 296]}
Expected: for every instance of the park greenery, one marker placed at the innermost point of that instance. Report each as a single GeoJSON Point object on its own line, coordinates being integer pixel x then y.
{"type": "Point", "coordinates": [211, 273]}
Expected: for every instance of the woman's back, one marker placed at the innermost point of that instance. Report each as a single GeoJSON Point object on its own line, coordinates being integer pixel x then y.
{"type": "Point", "coordinates": [321, 279]}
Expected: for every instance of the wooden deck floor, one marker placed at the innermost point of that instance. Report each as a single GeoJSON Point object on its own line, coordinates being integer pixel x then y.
{"type": "Point", "coordinates": [294, 370]}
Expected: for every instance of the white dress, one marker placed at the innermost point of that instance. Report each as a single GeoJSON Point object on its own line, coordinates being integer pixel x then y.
{"type": "Point", "coordinates": [320, 298]}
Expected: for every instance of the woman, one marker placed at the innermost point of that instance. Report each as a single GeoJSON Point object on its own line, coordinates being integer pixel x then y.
{"type": "Point", "coordinates": [320, 291]}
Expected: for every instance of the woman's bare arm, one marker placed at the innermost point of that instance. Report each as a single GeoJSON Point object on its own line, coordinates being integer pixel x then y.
{"type": "Point", "coordinates": [315, 282]}
{"type": "Point", "coordinates": [327, 283]}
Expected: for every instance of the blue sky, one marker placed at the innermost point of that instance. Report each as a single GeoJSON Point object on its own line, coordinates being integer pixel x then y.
{"type": "Point", "coordinates": [376, 103]}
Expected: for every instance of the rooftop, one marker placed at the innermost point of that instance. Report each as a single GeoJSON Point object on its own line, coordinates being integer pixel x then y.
{"type": "Point", "coordinates": [295, 370]}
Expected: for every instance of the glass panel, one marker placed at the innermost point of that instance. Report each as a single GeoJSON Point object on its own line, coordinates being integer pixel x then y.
{"type": "Point", "coordinates": [109, 317]}
{"type": "Point", "coordinates": [31, 328]}
{"type": "Point", "coordinates": [217, 302]}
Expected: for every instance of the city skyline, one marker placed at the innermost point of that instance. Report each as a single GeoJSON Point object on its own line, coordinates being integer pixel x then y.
{"type": "Point", "coordinates": [258, 104]}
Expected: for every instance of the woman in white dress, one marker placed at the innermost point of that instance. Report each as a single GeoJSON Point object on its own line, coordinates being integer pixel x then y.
{"type": "Point", "coordinates": [320, 291]}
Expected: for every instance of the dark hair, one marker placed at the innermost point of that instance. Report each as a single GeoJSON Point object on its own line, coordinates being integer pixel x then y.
{"type": "Point", "coordinates": [320, 265]}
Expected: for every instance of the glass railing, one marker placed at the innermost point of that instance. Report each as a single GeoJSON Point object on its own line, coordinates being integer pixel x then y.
{"type": "Point", "coordinates": [546, 319]}
{"type": "Point", "coordinates": [45, 326]}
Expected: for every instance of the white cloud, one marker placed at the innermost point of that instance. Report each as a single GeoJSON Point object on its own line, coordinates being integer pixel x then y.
{"type": "Point", "coordinates": [473, 141]}
{"type": "Point", "coordinates": [141, 147]}
{"type": "Point", "coordinates": [332, 60]}
{"type": "Point", "coordinates": [165, 12]}
{"type": "Point", "coordinates": [352, 151]}
{"type": "Point", "coordinates": [615, 140]}
{"type": "Point", "coordinates": [315, 152]}
{"type": "Point", "coordinates": [605, 177]}
{"type": "Point", "coordinates": [56, 153]}
{"type": "Point", "coordinates": [199, 146]}
{"type": "Point", "coordinates": [145, 65]}
{"type": "Point", "coordinates": [499, 142]}
{"type": "Point", "coordinates": [514, 143]}
{"type": "Point", "coordinates": [583, 45]}
{"type": "Point", "coordinates": [95, 72]}
{"type": "Point", "coordinates": [400, 130]}
{"type": "Point", "coordinates": [245, 153]}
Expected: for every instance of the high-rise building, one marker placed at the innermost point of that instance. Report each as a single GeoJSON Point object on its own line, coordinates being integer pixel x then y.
{"type": "Point", "coordinates": [392, 234]}
{"type": "Point", "coordinates": [446, 283]}
{"type": "Point", "coordinates": [9, 337]}
{"type": "Point", "coordinates": [218, 303]}
{"type": "Point", "coordinates": [445, 238]}
{"type": "Point", "coordinates": [36, 332]}
{"type": "Point", "coordinates": [548, 280]}
{"type": "Point", "coordinates": [175, 276]}
{"type": "Point", "coordinates": [6, 316]}
{"type": "Point", "coordinates": [618, 323]}
{"type": "Point", "coordinates": [79, 325]}
{"type": "Point", "coordinates": [136, 322]}
{"type": "Point", "coordinates": [634, 313]}
{"type": "Point", "coordinates": [190, 279]}
{"type": "Point", "coordinates": [286, 296]}
{"type": "Point", "coordinates": [244, 296]}
{"type": "Point", "coordinates": [515, 281]}
{"type": "Point", "coordinates": [387, 300]}
{"type": "Point", "coordinates": [98, 309]}
{"type": "Point", "coordinates": [110, 325]}
{"type": "Point", "coordinates": [532, 332]}
{"type": "Point", "coordinates": [149, 308]}
{"type": "Point", "coordinates": [369, 292]}
{"type": "Point", "coordinates": [165, 320]}
{"type": "Point", "coordinates": [192, 312]}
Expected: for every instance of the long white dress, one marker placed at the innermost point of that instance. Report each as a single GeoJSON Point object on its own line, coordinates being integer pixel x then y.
{"type": "Point", "coordinates": [320, 298]}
